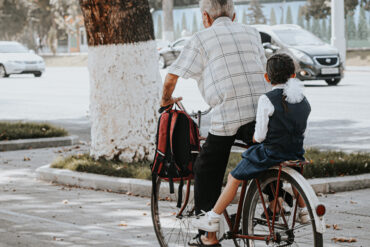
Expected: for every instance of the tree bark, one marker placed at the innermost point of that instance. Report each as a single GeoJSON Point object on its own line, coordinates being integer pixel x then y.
{"type": "Point", "coordinates": [167, 7]}
{"type": "Point", "coordinates": [124, 78]}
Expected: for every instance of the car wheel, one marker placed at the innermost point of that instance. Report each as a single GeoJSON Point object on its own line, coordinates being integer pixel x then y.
{"type": "Point", "coordinates": [332, 82]}
{"type": "Point", "coordinates": [38, 74]}
{"type": "Point", "coordinates": [3, 71]}
{"type": "Point", "coordinates": [161, 62]}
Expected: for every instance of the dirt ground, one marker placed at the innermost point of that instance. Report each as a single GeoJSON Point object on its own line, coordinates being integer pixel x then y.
{"type": "Point", "coordinates": [354, 58]}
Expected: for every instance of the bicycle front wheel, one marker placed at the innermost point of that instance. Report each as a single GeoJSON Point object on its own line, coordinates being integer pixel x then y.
{"type": "Point", "coordinates": [289, 227]}
{"type": "Point", "coordinates": [171, 228]}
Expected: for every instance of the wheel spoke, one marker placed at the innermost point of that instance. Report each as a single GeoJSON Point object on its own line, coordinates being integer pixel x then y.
{"type": "Point", "coordinates": [289, 231]}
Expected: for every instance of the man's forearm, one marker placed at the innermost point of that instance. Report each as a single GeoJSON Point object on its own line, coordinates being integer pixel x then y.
{"type": "Point", "coordinates": [168, 88]}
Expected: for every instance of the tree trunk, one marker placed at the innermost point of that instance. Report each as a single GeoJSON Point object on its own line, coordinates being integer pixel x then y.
{"type": "Point", "coordinates": [124, 78]}
{"type": "Point", "coordinates": [167, 7]}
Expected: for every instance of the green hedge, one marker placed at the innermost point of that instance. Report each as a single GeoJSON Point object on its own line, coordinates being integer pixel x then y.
{"type": "Point", "coordinates": [21, 130]}
{"type": "Point", "coordinates": [323, 164]}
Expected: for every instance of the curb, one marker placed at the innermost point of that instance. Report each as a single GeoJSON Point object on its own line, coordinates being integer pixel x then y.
{"type": "Point", "coordinates": [142, 187]}
{"type": "Point", "coordinates": [38, 143]}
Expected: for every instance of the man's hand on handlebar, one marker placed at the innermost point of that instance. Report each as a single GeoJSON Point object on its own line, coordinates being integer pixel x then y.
{"type": "Point", "coordinates": [166, 104]}
{"type": "Point", "coordinates": [170, 102]}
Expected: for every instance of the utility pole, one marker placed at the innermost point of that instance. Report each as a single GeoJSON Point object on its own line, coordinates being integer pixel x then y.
{"type": "Point", "coordinates": [338, 38]}
{"type": "Point", "coordinates": [168, 30]}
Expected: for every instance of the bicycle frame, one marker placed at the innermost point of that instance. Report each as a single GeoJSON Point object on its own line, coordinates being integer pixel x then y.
{"type": "Point", "coordinates": [233, 229]}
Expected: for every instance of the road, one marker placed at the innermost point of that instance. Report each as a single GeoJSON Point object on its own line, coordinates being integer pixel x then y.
{"type": "Point", "coordinates": [340, 117]}
{"type": "Point", "coordinates": [39, 214]}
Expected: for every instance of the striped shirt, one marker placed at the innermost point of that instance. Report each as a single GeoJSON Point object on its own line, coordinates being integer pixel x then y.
{"type": "Point", "coordinates": [228, 62]}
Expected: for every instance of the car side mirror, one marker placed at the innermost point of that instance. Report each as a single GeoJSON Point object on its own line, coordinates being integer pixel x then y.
{"type": "Point", "coordinates": [269, 46]}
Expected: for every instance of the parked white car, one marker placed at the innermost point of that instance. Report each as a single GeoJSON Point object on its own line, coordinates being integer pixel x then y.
{"type": "Point", "coordinates": [17, 59]}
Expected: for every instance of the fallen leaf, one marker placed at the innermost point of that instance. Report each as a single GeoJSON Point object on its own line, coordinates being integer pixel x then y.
{"type": "Point", "coordinates": [26, 158]}
{"type": "Point", "coordinates": [122, 224]}
{"type": "Point", "coordinates": [328, 226]}
{"type": "Point", "coordinates": [65, 201]}
{"type": "Point", "coordinates": [148, 203]}
{"type": "Point", "coordinates": [336, 227]}
{"type": "Point", "coordinates": [144, 214]}
{"type": "Point", "coordinates": [344, 240]}
{"type": "Point", "coordinates": [353, 202]}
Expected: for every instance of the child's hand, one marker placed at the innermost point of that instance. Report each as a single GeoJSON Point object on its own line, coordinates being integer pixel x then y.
{"type": "Point", "coordinates": [254, 140]}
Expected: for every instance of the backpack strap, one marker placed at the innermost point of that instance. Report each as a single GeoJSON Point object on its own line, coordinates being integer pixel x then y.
{"type": "Point", "coordinates": [179, 198]}
{"type": "Point", "coordinates": [174, 117]}
{"type": "Point", "coordinates": [162, 142]}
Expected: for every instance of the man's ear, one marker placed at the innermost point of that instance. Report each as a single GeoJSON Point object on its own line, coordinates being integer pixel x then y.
{"type": "Point", "coordinates": [234, 16]}
{"type": "Point", "coordinates": [207, 20]}
{"type": "Point", "coordinates": [267, 78]}
{"type": "Point", "coordinates": [293, 75]}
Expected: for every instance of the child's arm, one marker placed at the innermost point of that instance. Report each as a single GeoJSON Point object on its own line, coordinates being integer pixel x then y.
{"type": "Point", "coordinates": [264, 110]}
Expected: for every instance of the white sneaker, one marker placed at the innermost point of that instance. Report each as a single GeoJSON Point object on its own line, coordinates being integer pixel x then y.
{"type": "Point", "coordinates": [206, 222]}
{"type": "Point", "coordinates": [303, 216]}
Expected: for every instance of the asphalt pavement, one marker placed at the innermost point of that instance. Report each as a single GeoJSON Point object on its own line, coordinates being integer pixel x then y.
{"type": "Point", "coordinates": [340, 117]}
{"type": "Point", "coordinates": [39, 214]}
{"type": "Point", "coordinates": [35, 213]}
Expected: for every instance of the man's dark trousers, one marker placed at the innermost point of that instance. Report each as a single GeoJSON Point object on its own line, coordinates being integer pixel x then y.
{"type": "Point", "coordinates": [210, 166]}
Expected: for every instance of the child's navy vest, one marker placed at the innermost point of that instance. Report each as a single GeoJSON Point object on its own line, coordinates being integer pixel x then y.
{"type": "Point", "coordinates": [287, 124]}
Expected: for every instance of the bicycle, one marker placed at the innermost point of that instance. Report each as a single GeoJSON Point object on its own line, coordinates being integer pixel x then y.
{"type": "Point", "coordinates": [252, 225]}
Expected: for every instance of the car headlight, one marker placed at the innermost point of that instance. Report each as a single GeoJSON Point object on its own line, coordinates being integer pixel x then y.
{"type": "Point", "coordinates": [301, 56]}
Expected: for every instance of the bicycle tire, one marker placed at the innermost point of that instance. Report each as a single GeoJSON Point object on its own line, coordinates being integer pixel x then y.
{"type": "Point", "coordinates": [252, 198]}
{"type": "Point", "coordinates": [171, 231]}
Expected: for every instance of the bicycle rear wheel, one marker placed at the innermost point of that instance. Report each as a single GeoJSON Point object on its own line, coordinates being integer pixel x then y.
{"type": "Point", "coordinates": [290, 231]}
{"type": "Point", "coordinates": [172, 230]}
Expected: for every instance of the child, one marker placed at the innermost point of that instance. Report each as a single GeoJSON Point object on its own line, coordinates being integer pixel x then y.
{"type": "Point", "coordinates": [281, 122]}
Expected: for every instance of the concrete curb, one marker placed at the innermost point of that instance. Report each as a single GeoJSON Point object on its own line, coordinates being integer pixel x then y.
{"type": "Point", "coordinates": [142, 187]}
{"type": "Point", "coordinates": [38, 143]}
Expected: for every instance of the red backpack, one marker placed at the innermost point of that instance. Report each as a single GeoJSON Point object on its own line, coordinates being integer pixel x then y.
{"type": "Point", "coordinates": [178, 145]}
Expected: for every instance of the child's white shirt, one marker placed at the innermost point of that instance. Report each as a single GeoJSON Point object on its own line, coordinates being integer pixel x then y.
{"type": "Point", "coordinates": [294, 92]}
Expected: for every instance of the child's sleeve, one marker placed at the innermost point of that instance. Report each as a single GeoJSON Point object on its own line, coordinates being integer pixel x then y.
{"type": "Point", "coordinates": [265, 109]}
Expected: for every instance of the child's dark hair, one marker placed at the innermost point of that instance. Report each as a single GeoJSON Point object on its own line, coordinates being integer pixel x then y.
{"type": "Point", "coordinates": [279, 68]}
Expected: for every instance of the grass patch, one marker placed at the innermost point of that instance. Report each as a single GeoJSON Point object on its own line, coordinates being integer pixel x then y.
{"type": "Point", "coordinates": [20, 130]}
{"type": "Point", "coordinates": [323, 164]}
{"type": "Point", "coordinates": [85, 163]}
{"type": "Point", "coordinates": [326, 163]}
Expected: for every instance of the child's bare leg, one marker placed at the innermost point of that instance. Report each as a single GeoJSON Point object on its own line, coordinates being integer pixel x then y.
{"type": "Point", "coordinates": [223, 201]}
{"type": "Point", "coordinates": [227, 195]}
{"type": "Point", "coordinates": [301, 203]}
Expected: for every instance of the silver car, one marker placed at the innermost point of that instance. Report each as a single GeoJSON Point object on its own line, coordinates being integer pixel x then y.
{"type": "Point", "coordinates": [169, 54]}
{"type": "Point", "coordinates": [17, 59]}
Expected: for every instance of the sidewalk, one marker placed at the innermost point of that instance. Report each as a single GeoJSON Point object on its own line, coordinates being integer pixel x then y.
{"type": "Point", "coordinates": [35, 213]}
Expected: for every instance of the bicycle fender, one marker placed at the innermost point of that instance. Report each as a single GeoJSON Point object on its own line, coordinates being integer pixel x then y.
{"type": "Point", "coordinates": [310, 193]}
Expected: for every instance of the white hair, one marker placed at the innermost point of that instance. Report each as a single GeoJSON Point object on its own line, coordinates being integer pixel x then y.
{"type": "Point", "coordinates": [217, 8]}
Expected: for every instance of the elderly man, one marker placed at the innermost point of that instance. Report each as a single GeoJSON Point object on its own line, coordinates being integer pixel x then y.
{"type": "Point", "coordinates": [228, 62]}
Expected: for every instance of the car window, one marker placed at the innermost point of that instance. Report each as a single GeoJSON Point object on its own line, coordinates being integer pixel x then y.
{"type": "Point", "coordinates": [295, 37]}
{"type": "Point", "coordinates": [265, 38]}
{"type": "Point", "coordinates": [12, 48]}
{"type": "Point", "coordinates": [179, 43]}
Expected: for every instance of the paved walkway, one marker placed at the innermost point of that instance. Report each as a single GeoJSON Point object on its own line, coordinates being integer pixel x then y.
{"type": "Point", "coordinates": [35, 213]}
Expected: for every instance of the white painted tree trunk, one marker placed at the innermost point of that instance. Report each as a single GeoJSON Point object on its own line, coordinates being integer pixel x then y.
{"type": "Point", "coordinates": [125, 89]}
